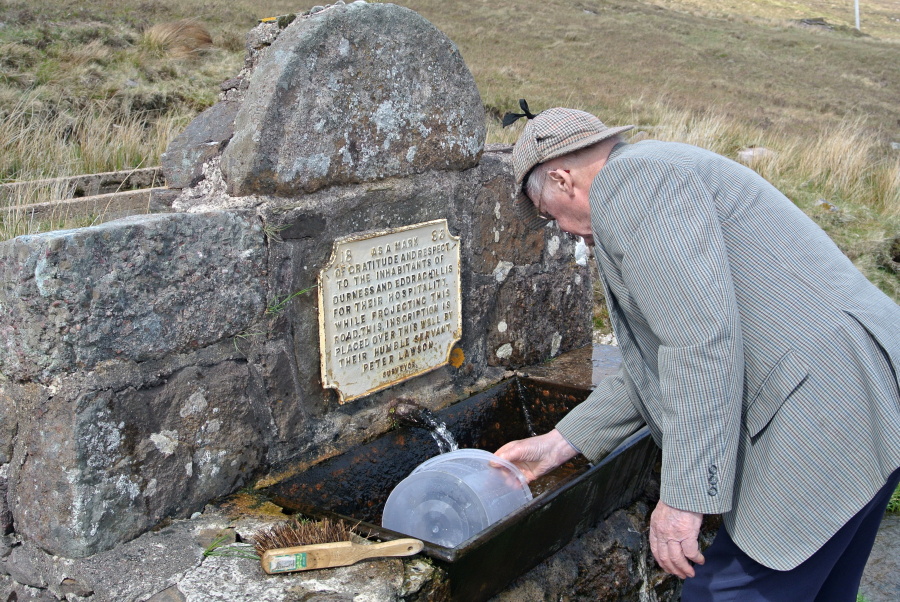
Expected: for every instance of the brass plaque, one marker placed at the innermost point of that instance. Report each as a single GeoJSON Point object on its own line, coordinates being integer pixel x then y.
{"type": "Point", "coordinates": [389, 307]}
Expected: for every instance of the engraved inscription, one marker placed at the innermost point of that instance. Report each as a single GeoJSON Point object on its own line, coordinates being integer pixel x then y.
{"type": "Point", "coordinates": [389, 307]}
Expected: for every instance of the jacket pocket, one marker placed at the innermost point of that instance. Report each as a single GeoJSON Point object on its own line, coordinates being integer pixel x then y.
{"type": "Point", "coordinates": [782, 380]}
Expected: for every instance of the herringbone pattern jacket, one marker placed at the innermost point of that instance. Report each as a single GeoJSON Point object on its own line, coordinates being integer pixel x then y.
{"type": "Point", "coordinates": [762, 360]}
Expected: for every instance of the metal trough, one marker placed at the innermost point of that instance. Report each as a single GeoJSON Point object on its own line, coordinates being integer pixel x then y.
{"type": "Point", "coordinates": [567, 503]}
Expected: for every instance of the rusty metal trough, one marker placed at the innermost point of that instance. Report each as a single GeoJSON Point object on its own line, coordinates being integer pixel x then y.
{"type": "Point", "coordinates": [567, 503]}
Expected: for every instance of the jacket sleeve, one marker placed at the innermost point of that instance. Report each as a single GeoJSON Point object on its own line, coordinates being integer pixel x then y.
{"type": "Point", "coordinates": [659, 223]}
{"type": "Point", "coordinates": [601, 422]}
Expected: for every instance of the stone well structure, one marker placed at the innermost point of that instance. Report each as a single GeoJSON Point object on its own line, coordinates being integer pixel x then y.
{"type": "Point", "coordinates": [151, 364]}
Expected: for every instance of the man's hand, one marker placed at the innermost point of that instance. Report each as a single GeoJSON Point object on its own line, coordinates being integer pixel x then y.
{"type": "Point", "coordinates": [538, 455]}
{"type": "Point", "coordinates": [673, 539]}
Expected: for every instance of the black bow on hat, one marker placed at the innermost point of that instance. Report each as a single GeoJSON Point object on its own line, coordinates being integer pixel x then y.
{"type": "Point", "coordinates": [511, 118]}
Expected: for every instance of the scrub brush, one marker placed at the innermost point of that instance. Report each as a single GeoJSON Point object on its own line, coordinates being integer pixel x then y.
{"type": "Point", "coordinates": [299, 545]}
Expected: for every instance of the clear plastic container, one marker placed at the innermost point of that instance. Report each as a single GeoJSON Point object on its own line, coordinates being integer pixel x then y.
{"type": "Point", "coordinates": [454, 496]}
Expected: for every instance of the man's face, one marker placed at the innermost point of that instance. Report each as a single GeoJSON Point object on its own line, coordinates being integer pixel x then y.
{"type": "Point", "coordinates": [562, 200]}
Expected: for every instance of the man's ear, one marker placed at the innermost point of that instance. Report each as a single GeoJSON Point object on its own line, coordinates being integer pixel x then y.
{"type": "Point", "coordinates": [561, 178]}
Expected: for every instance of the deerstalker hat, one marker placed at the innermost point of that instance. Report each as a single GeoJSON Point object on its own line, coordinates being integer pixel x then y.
{"type": "Point", "coordinates": [550, 134]}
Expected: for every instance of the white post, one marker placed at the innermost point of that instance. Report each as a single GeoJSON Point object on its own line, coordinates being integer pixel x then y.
{"type": "Point", "coordinates": [856, 9]}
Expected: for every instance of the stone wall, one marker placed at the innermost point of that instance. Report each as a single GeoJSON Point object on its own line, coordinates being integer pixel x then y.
{"type": "Point", "coordinates": [146, 367]}
{"type": "Point", "coordinates": [611, 561]}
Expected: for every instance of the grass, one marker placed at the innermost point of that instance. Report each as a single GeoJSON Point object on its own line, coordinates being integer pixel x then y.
{"type": "Point", "coordinates": [280, 303]}
{"type": "Point", "coordinates": [176, 39]}
{"type": "Point", "coordinates": [224, 545]}
{"type": "Point", "coordinates": [877, 18]}
{"type": "Point", "coordinates": [101, 86]}
{"type": "Point", "coordinates": [605, 55]}
{"type": "Point", "coordinates": [98, 138]}
{"type": "Point", "coordinates": [894, 503]}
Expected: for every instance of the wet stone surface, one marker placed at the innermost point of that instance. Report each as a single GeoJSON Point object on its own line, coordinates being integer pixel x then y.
{"type": "Point", "coordinates": [581, 367]}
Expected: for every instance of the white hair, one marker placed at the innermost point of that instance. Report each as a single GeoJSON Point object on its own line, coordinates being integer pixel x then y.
{"type": "Point", "coordinates": [537, 179]}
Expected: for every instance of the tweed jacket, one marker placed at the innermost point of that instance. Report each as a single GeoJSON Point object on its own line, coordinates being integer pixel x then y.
{"type": "Point", "coordinates": [762, 360]}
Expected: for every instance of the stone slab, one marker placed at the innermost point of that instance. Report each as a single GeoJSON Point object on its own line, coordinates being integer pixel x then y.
{"type": "Point", "coordinates": [133, 289]}
{"type": "Point", "coordinates": [584, 367]}
{"type": "Point", "coordinates": [204, 138]}
{"type": "Point", "coordinates": [86, 185]}
{"type": "Point", "coordinates": [354, 93]}
{"type": "Point", "coordinates": [107, 464]}
{"type": "Point", "coordinates": [100, 208]}
{"type": "Point", "coordinates": [177, 563]}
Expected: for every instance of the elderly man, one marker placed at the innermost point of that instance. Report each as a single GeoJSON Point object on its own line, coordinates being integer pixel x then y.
{"type": "Point", "coordinates": [763, 362]}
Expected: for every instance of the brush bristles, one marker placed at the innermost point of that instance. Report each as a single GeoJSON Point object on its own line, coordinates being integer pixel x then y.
{"type": "Point", "coordinates": [300, 533]}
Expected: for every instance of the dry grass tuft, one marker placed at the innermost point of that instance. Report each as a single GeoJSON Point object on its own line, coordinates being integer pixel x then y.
{"type": "Point", "coordinates": [176, 39]}
{"type": "Point", "coordinates": [886, 184]}
{"type": "Point", "coordinates": [36, 145]}
{"type": "Point", "coordinates": [846, 163]}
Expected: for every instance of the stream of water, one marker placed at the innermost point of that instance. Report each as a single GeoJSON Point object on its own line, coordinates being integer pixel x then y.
{"type": "Point", "coordinates": [409, 413]}
{"type": "Point", "coordinates": [525, 412]}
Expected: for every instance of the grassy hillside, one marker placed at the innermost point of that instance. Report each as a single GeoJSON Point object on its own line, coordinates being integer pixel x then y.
{"type": "Point", "coordinates": [96, 86]}
{"type": "Point", "coordinates": [746, 61]}
{"type": "Point", "coordinates": [617, 55]}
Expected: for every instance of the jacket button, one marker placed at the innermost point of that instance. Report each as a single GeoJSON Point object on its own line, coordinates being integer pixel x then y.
{"type": "Point", "coordinates": [713, 480]}
{"type": "Point", "coordinates": [712, 491]}
{"type": "Point", "coordinates": [713, 469]}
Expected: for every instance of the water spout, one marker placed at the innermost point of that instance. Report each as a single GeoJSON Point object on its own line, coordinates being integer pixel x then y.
{"type": "Point", "coordinates": [409, 413]}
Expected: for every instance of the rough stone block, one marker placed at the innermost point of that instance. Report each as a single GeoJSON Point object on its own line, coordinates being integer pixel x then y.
{"type": "Point", "coordinates": [220, 578]}
{"type": "Point", "coordinates": [533, 299]}
{"type": "Point", "coordinates": [161, 199]}
{"type": "Point", "coordinates": [6, 522]}
{"type": "Point", "coordinates": [12, 591]}
{"type": "Point", "coordinates": [133, 289]}
{"type": "Point", "coordinates": [23, 568]}
{"type": "Point", "coordinates": [535, 267]}
{"type": "Point", "coordinates": [7, 422]}
{"type": "Point", "coordinates": [99, 469]}
{"type": "Point", "coordinates": [203, 139]}
{"type": "Point", "coordinates": [168, 565]}
{"type": "Point", "coordinates": [133, 572]}
{"type": "Point", "coordinates": [352, 94]}
{"type": "Point", "coordinates": [497, 235]}
{"type": "Point", "coordinates": [519, 333]}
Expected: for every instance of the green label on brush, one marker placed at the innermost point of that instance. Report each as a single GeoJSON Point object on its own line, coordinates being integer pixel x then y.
{"type": "Point", "coordinates": [290, 562]}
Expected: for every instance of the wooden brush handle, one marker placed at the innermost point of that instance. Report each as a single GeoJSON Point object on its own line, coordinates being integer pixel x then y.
{"type": "Point", "coordinates": [325, 555]}
{"type": "Point", "coordinates": [398, 547]}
